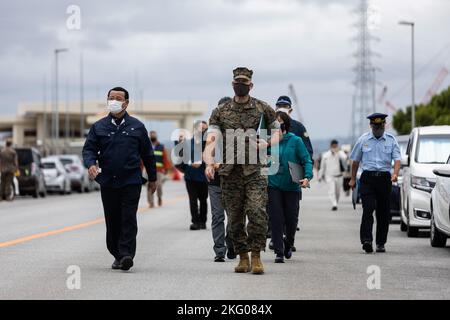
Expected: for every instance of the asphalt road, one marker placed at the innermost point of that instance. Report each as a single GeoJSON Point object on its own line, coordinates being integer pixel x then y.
{"type": "Point", "coordinates": [41, 239]}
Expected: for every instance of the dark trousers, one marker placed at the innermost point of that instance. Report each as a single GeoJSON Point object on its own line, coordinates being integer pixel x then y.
{"type": "Point", "coordinates": [6, 184]}
{"type": "Point", "coordinates": [198, 193]}
{"type": "Point", "coordinates": [120, 206]}
{"type": "Point", "coordinates": [375, 195]}
{"type": "Point", "coordinates": [284, 209]}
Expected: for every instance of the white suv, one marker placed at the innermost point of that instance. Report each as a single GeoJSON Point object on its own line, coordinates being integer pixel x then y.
{"type": "Point", "coordinates": [428, 147]}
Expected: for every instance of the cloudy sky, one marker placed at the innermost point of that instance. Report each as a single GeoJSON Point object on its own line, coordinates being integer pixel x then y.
{"type": "Point", "coordinates": [187, 49]}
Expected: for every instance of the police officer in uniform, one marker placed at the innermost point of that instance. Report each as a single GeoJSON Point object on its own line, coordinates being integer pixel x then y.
{"type": "Point", "coordinates": [118, 143]}
{"type": "Point", "coordinates": [8, 166]}
{"type": "Point", "coordinates": [374, 152]}
{"type": "Point", "coordinates": [244, 188]}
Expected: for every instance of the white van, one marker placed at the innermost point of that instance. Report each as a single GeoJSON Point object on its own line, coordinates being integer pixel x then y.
{"type": "Point", "coordinates": [428, 148]}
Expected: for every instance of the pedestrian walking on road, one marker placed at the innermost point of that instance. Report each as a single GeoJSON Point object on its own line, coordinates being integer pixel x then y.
{"type": "Point", "coordinates": [9, 165]}
{"type": "Point", "coordinates": [332, 168]}
{"type": "Point", "coordinates": [284, 194]}
{"type": "Point", "coordinates": [374, 152]}
{"type": "Point", "coordinates": [194, 175]}
{"type": "Point", "coordinates": [284, 104]}
{"type": "Point", "coordinates": [118, 143]}
{"type": "Point", "coordinates": [244, 187]}
{"type": "Point", "coordinates": [162, 167]}
{"type": "Point", "coordinates": [221, 232]}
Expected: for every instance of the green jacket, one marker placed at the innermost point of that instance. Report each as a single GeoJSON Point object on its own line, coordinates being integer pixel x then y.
{"type": "Point", "coordinates": [291, 148]}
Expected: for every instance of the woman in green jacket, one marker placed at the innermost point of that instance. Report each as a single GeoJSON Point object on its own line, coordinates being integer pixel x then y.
{"type": "Point", "coordinates": [284, 194]}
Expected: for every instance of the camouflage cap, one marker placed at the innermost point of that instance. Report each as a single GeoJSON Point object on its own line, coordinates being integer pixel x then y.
{"type": "Point", "coordinates": [242, 74]}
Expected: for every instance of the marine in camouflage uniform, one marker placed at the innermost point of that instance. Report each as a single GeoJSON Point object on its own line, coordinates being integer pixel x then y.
{"type": "Point", "coordinates": [244, 188]}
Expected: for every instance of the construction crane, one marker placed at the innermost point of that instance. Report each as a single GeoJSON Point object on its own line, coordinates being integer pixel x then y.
{"type": "Point", "coordinates": [443, 73]}
{"type": "Point", "coordinates": [382, 96]}
{"type": "Point", "coordinates": [296, 105]}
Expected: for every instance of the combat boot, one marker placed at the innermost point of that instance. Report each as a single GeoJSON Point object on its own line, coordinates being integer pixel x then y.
{"type": "Point", "coordinates": [257, 266]}
{"type": "Point", "coordinates": [244, 263]}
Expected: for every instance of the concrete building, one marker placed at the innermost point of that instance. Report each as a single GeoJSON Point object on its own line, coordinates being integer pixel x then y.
{"type": "Point", "coordinates": [34, 125]}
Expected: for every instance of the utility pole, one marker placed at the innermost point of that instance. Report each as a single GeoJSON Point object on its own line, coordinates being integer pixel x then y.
{"type": "Point", "coordinates": [82, 116]}
{"type": "Point", "coordinates": [44, 129]}
{"type": "Point", "coordinates": [67, 118]}
{"type": "Point", "coordinates": [55, 118]}
{"type": "Point", "coordinates": [364, 70]}
{"type": "Point", "coordinates": [413, 72]}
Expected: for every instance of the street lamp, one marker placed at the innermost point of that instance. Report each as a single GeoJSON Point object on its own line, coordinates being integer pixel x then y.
{"type": "Point", "coordinates": [413, 106]}
{"type": "Point", "coordinates": [55, 107]}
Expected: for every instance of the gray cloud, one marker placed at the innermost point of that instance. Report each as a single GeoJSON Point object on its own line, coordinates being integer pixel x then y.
{"type": "Point", "coordinates": [186, 49]}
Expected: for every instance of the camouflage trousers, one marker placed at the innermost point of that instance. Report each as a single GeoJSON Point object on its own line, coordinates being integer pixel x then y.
{"type": "Point", "coordinates": [245, 197]}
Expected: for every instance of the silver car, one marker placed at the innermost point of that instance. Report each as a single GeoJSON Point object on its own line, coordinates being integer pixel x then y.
{"type": "Point", "coordinates": [79, 177]}
{"type": "Point", "coordinates": [440, 207]}
{"type": "Point", "coordinates": [56, 176]}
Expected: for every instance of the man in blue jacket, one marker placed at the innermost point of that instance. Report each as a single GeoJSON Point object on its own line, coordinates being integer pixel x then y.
{"type": "Point", "coordinates": [194, 176]}
{"type": "Point", "coordinates": [113, 152]}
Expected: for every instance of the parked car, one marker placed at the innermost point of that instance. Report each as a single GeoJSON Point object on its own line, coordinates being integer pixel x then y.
{"type": "Point", "coordinates": [440, 207]}
{"type": "Point", "coordinates": [79, 176]}
{"type": "Point", "coordinates": [31, 178]}
{"type": "Point", "coordinates": [396, 186]}
{"type": "Point", "coordinates": [57, 177]}
{"type": "Point", "coordinates": [428, 147]}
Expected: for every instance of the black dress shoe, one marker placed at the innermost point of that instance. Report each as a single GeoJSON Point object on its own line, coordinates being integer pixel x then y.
{"type": "Point", "coordinates": [279, 259]}
{"type": "Point", "coordinates": [219, 259]}
{"type": "Point", "coordinates": [334, 209]}
{"type": "Point", "coordinates": [381, 249]}
{"type": "Point", "coordinates": [202, 226]}
{"type": "Point", "coordinates": [231, 254]}
{"type": "Point", "coordinates": [194, 226]}
{"type": "Point", "coordinates": [287, 250]}
{"type": "Point", "coordinates": [367, 247]}
{"type": "Point", "coordinates": [116, 265]}
{"type": "Point", "coordinates": [294, 249]}
{"type": "Point", "coordinates": [126, 263]}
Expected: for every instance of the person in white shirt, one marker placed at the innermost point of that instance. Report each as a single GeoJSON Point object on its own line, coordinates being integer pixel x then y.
{"type": "Point", "coordinates": [331, 171]}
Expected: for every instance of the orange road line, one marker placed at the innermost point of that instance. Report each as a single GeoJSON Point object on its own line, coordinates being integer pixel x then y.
{"type": "Point", "coordinates": [74, 227]}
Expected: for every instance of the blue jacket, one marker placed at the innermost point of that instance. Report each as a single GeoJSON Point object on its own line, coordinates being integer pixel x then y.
{"type": "Point", "coordinates": [299, 130]}
{"type": "Point", "coordinates": [291, 148]}
{"type": "Point", "coordinates": [191, 173]}
{"type": "Point", "coordinates": [119, 150]}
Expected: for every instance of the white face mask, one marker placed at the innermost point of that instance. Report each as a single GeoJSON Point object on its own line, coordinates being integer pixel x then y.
{"type": "Point", "coordinates": [285, 110]}
{"type": "Point", "coordinates": [115, 106]}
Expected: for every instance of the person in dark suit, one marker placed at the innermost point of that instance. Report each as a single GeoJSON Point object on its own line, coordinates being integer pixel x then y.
{"type": "Point", "coordinates": [193, 168]}
{"type": "Point", "coordinates": [113, 151]}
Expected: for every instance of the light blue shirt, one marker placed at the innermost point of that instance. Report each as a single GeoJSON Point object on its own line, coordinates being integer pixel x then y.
{"type": "Point", "coordinates": [376, 154]}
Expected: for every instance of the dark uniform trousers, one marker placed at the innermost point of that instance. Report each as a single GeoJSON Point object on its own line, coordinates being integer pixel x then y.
{"type": "Point", "coordinates": [375, 189]}
{"type": "Point", "coordinates": [7, 179]}
{"type": "Point", "coordinates": [198, 192]}
{"type": "Point", "coordinates": [120, 208]}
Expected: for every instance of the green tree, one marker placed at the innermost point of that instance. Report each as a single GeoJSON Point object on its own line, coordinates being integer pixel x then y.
{"type": "Point", "coordinates": [437, 112]}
